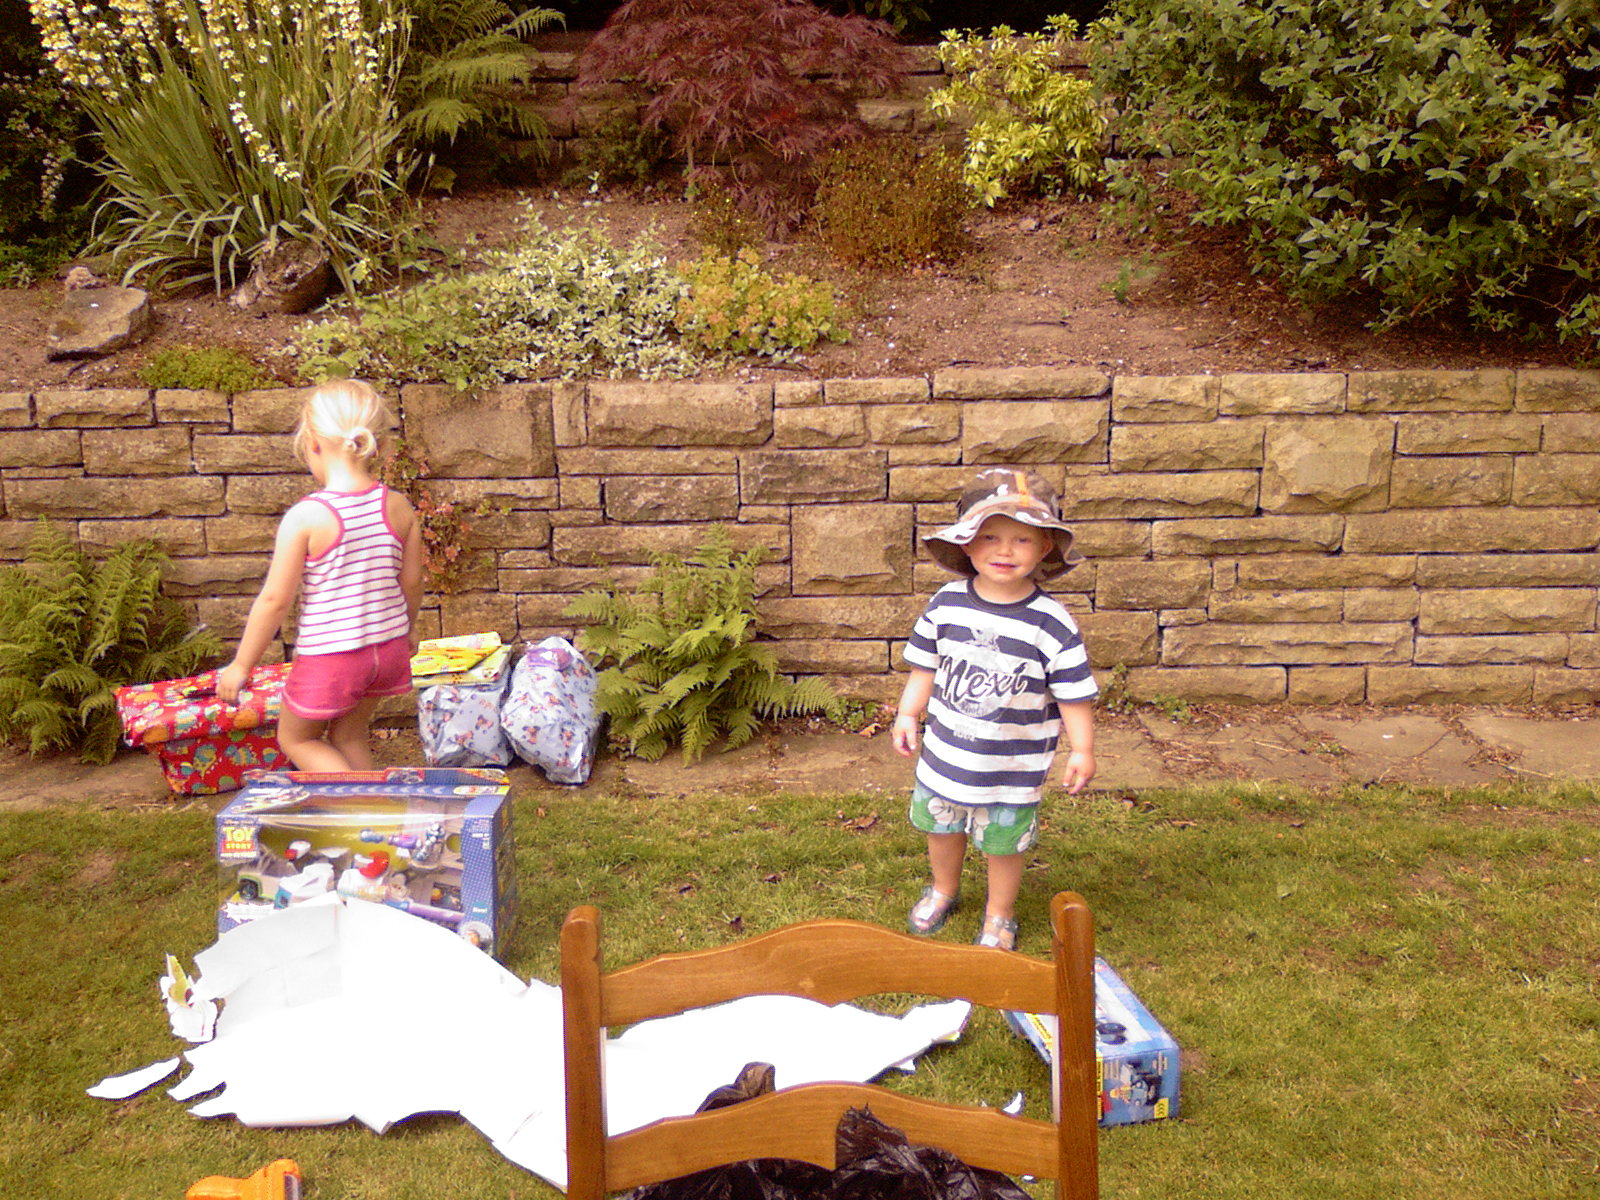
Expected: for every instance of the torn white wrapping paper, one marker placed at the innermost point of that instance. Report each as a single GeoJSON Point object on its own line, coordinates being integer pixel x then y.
{"type": "Point", "coordinates": [338, 1009]}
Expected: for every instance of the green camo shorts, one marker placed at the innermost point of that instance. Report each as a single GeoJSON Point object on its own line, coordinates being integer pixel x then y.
{"type": "Point", "coordinates": [991, 828]}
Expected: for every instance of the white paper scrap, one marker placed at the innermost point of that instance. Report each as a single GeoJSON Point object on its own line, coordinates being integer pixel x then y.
{"type": "Point", "coordinates": [120, 1087]}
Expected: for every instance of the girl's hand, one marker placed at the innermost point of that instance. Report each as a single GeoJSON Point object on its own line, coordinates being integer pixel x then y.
{"type": "Point", "coordinates": [905, 734]}
{"type": "Point", "coordinates": [1079, 770]}
{"type": "Point", "coordinates": [230, 682]}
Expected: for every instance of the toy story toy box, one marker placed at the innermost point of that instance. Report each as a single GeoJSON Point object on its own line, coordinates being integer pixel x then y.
{"type": "Point", "coordinates": [1138, 1058]}
{"type": "Point", "coordinates": [435, 842]}
{"type": "Point", "coordinates": [204, 745]}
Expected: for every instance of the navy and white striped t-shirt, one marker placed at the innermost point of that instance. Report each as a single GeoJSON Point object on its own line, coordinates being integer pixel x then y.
{"type": "Point", "coordinates": [999, 671]}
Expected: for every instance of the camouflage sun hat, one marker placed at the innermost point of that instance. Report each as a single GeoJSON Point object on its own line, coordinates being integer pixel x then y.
{"type": "Point", "coordinates": [1005, 491]}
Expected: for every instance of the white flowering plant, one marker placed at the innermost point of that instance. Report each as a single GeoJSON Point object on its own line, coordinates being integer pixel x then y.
{"type": "Point", "coordinates": [229, 125]}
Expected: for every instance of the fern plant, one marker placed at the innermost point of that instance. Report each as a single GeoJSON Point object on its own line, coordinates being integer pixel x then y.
{"type": "Point", "coordinates": [682, 666]}
{"type": "Point", "coordinates": [73, 630]}
{"type": "Point", "coordinates": [465, 55]}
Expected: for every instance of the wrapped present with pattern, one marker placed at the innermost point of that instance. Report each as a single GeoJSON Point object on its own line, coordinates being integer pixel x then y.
{"type": "Point", "coordinates": [205, 746]}
{"type": "Point", "coordinates": [472, 658]}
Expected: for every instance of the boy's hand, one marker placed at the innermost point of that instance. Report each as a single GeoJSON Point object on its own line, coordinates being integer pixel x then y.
{"type": "Point", "coordinates": [1079, 770]}
{"type": "Point", "coordinates": [904, 734]}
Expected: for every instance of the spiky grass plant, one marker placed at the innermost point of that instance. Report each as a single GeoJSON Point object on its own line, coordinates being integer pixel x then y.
{"type": "Point", "coordinates": [683, 667]}
{"type": "Point", "coordinates": [73, 630]}
{"type": "Point", "coordinates": [228, 126]}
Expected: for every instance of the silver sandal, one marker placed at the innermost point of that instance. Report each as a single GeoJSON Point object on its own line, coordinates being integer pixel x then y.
{"type": "Point", "coordinates": [931, 911]}
{"type": "Point", "coordinates": [997, 932]}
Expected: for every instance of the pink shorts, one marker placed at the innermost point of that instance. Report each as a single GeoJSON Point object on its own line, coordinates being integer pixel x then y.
{"type": "Point", "coordinates": [324, 687]}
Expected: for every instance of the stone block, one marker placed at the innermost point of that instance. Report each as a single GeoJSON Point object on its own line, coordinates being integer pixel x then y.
{"type": "Point", "coordinates": [581, 460]}
{"type": "Point", "coordinates": [246, 454]}
{"type": "Point", "coordinates": [501, 432]}
{"type": "Point", "coordinates": [175, 537]}
{"type": "Point", "coordinates": [888, 116]}
{"type": "Point", "coordinates": [1327, 465]}
{"type": "Point", "coordinates": [1209, 685]}
{"type": "Point", "coordinates": [1129, 639]}
{"type": "Point", "coordinates": [1557, 479]}
{"type": "Point", "coordinates": [1563, 685]}
{"type": "Point", "coordinates": [16, 410]}
{"type": "Point", "coordinates": [839, 617]}
{"type": "Point", "coordinates": [1254, 607]}
{"type": "Point", "coordinates": [1327, 685]}
{"type": "Point", "coordinates": [1247, 535]}
{"type": "Point", "coordinates": [41, 448]}
{"type": "Point", "coordinates": [1491, 648]}
{"type": "Point", "coordinates": [269, 410]}
{"type": "Point", "coordinates": [1327, 571]}
{"type": "Point", "coordinates": [1214, 446]}
{"type": "Point", "coordinates": [679, 414]}
{"type": "Point", "coordinates": [478, 612]}
{"type": "Point", "coordinates": [874, 391]}
{"type": "Point", "coordinates": [1163, 583]}
{"type": "Point", "coordinates": [1507, 610]}
{"type": "Point", "coordinates": [819, 428]}
{"type": "Point", "coordinates": [1555, 389]}
{"type": "Point", "coordinates": [1571, 433]}
{"type": "Point", "coordinates": [913, 424]}
{"type": "Point", "coordinates": [1034, 432]}
{"type": "Point", "coordinates": [510, 493]}
{"type": "Point", "coordinates": [1432, 391]}
{"type": "Point", "coordinates": [851, 549]}
{"type": "Point", "coordinates": [1110, 539]}
{"type": "Point", "coordinates": [216, 575]}
{"type": "Point", "coordinates": [569, 413]}
{"type": "Point", "coordinates": [192, 406]}
{"type": "Point", "coordinates": [1200, 494]}
{"type": "Point", "coordinates": [1257, 395]}
{"type": "Point", "coordinates": [240, 534]}
{"type": "Point", "coordinates": [1456, 482]}
{"type": "Point", "coordinates": [634, 498]}
{"type": "Point", "coordinates": [270, 495]}
{"type": "Point", "coordinates": [1164, 399]}
{"type": "Point", "coordinates": [1466, 433]}
{"type": "Point", "coordinates": [1289, 644]}
{"type": "Point", "coordinates": [813, 476]}
{"type": "Point", "coordinates": [797, 393]}
{"type": "Point", "coordinates": [1471, 531]}
{"type": "Point", "coordinates": [1450, 685]}
{"type": "Point", "coordinates": [914, 456]}
{"type": "Point", "coordinates": [510, 530]}
{"type": "Point", "coordinates": [62, 499]}
{"type": "Point", "coordinates": [1583, 650]}
{"type": "Point", "coordinates": [1018, 383]}
{"type": "Point", "coordinates": [99, 408]}
{"type": "Point", "coordinates": [159, 451]}
{"type": "Point", "coordinates": [1382, 604]}
{"type": "Point", "coordinates": [602, 545]}
{"type": "Point", "coordinates": [579, 491]}
{"type": "Point", "coordinates": [833, 656]}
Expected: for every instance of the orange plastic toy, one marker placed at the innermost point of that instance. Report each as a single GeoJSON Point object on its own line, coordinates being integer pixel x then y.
{"type": "Point", "coordinates": [278, 1180]}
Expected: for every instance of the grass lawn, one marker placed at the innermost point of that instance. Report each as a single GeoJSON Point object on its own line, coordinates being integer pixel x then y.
{"type": "Point", "coordinates": [1384, 993]}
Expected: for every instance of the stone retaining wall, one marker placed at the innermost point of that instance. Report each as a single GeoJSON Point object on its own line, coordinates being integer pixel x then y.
{"type": "Point", "coordinates": [1382, 536]}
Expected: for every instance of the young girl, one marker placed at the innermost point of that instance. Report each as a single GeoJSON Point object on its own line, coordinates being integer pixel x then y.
{"type": "Point", "coordinates": [353, 551]}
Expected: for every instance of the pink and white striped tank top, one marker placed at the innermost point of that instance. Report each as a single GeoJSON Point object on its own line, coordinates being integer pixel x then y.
{"type": "Point", "coordinates": [350, 595]}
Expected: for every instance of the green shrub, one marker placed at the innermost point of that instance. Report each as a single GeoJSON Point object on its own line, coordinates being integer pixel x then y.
{"type": "Point", "coordinates": [735, 306]}
{"type": "Point", "coordinates": [720, 223]}
{"type": "Point", "coordinates": [621, 152]}
{"type": "Point", "coordinates": [682, 666]}
{"type": "Point", "coordinates": [887, 202]}
{"type": "Point", "coordinates": [557, 303]}
{"type": "Point", "coordinates": [72, 631]}
{"type": "Point", "coordinates": [204, 368]}
{"type": "Point", "coordinates": [1035, 128]}
{"type": "Point", "coordinates": [1437, 157]}
{"type": "Point", "coordinates": [225, 128]}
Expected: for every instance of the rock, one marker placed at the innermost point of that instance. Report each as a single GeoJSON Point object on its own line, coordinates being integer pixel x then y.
{"type": "Point", "coordinates": [289, 277]}
{"type": "Point", "coordinates": [98, 321]}
{"type": "Point", "coordinates": [80, 278]}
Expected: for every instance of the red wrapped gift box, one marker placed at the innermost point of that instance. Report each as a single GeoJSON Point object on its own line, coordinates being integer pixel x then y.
{"type": "Point", "coordinates": [203, 745]}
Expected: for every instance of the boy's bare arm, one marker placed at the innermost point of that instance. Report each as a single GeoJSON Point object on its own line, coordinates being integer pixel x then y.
{"type": "Point", "coordinates": [1077, 722]}
{"type": "Point", "coordinates": [913, 703]}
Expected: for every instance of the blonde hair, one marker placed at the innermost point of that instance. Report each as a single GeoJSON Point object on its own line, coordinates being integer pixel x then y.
{"type": "Point", "coordinates": [346, 412]}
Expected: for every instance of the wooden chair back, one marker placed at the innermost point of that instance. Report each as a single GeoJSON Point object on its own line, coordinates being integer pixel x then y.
{"type": "Point", "coordinates": [831, 961]}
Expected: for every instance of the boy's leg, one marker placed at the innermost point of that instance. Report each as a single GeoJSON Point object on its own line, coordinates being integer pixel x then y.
{"type": "Point", "coordinates": [946, 852]}
{"type": "Point", "coordinates": [301, 738]}
{"type": "Point", "coordinates": [1005, 881]}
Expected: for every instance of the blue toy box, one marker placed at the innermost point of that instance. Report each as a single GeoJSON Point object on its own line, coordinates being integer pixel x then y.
{"type": "Point", "coordinates": [1138, 1058]}
{"type": "Point", "coordinates": [433, 841]}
